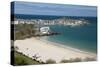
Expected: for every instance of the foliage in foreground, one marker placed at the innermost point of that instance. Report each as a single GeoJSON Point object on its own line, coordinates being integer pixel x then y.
{"type": "Point", "coordinates": [77, 60]}
{"type": "Point", "coordinates": [20, 59]}
{"type": "Point", "coordinates": [71, 60]}
{"type": "Point", "coordinates": [50, 61]}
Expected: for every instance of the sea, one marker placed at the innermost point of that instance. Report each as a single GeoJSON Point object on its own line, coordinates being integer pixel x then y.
{"type": "Point", "coordinates": [82, 37]}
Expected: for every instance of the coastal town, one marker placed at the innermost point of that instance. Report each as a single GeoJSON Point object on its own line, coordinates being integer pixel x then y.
{"type": "Point", "coordinates": [43, 25]}
{"type": "Point", "coordinates": [63, 21]}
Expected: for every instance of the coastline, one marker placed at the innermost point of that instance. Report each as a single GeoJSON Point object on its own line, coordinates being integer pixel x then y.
{"type": "Point", "coordinates": [49, 50]}
{"type": "Point", "coordinates": [68, 47]}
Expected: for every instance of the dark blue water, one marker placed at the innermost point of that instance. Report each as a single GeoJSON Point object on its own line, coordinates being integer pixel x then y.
{"type": "Point", "coordinates": [48, 17]}
{"type": "Point", "coordinates": [81, 37]}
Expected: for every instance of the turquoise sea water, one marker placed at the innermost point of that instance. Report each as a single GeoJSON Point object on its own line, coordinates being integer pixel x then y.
{"type": "Point", "coordinates": [80, 37]}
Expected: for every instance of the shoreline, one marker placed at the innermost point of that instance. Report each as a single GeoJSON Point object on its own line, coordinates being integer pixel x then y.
{"type": "Point", "coordinates": [67, 47]}
{"type": "Point", "coordinates": [49, 50]}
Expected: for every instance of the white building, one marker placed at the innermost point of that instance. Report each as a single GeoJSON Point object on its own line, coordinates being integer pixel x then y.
{"type": "Point", "coordinates": [44, 30]}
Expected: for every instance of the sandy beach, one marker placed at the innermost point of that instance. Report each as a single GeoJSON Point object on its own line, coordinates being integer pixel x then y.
{"type": "Point", "coordinates": [48, 50]}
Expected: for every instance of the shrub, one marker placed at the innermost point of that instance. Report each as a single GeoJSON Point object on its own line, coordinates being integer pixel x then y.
{"type": "Point", "coordinates": [89, 59]}
{"type": "Point", "coordinates": [71, 60]}
{"type": "Point", "coordinates": [50, 61]}
{"type": "Point", "coordinates": [64, 61]}
{"type": "Point", "coordinates": [76, 60]}
{"type": "Point", "coordinates": [23, 31]}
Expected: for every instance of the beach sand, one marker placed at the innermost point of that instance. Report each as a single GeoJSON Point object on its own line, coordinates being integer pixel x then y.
{"type": "Point", "coordinates": [48, 50]}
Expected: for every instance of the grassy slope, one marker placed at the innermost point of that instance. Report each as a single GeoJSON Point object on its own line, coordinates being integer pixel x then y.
{"type": "Point", "coordinates": [21, 59]}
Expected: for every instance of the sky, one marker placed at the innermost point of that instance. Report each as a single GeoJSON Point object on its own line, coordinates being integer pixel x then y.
{"type": "Point", "coordinates": [34, 8]}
